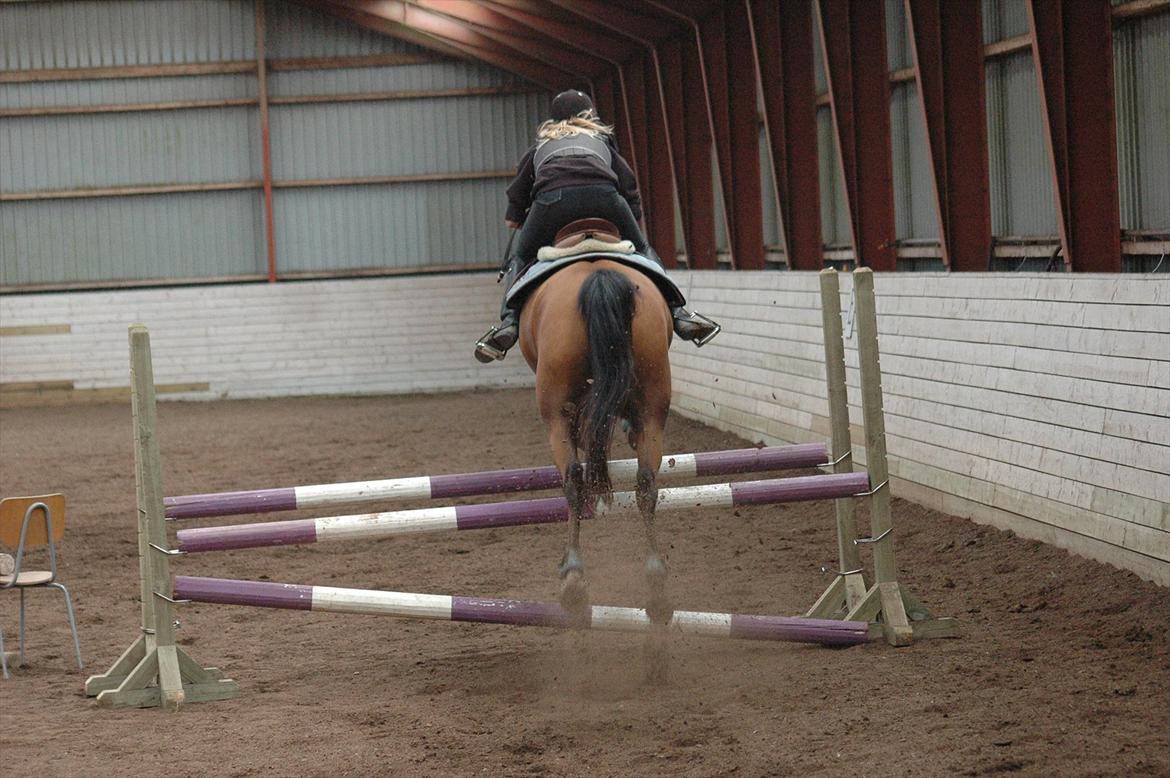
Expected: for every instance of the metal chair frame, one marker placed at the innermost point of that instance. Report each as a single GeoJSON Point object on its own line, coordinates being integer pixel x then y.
{"type": "Point", "coordinates": [52, 582]}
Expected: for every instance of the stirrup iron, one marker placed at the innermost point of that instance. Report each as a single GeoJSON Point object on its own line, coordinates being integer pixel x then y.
{"type": "Point", "coordinates": [703, 341]}
{"type": "Point", "coordinates": [485, 349]}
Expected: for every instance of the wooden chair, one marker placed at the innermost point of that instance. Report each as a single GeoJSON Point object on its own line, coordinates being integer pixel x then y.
{"type": "Point", "coordinates": [19, 530]}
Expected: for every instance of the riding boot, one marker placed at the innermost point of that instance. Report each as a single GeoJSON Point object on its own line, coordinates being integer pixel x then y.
{"type": "Point", "coordinates": [692, 326]}
{"type": "Point", "coordinates": [494, 343]}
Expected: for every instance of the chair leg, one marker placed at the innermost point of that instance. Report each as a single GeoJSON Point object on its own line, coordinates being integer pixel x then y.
{"type": "Point", "coordinates": [72, 621]}
{"type": "Point", "coordinates": [3, 656]}
{"type": "Point", "coordinates": [22, 627]}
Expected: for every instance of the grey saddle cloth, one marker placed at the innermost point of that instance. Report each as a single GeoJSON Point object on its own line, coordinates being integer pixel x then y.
{"type": "Point", "coordinates": [542, 269]}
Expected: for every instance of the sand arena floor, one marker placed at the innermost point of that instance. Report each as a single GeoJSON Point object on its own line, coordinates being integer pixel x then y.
{"type": "Point", "coordinates": [1064, 669]}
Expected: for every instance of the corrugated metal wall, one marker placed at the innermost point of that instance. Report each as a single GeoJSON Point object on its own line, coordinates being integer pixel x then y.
{"type": "Point", "coordinates": [319, 229]}
{"type": "Point", "coordinates": [41, 36]}
{"type": "Point", "coordinates": [1141, 55]}
{"type": "Point", "coordinates": [835, 228]}
{"type": "Point", "coordinates": [394, 226]}
{"type": "Point", "coordinates": [913, 181]}
{"type": "Point", "coordinates": [1022, 199]}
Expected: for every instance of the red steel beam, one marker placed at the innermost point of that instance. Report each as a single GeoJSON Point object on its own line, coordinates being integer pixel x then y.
{"type": "Point", "coordinates": [728, 69]}
{"type": "Point", "coordinates": [743, 131]}
{"type": "Point", "coordinates": [564, 27]}
{"type": "Point", "coordinates": [603, 98]}
{"type": "Point", "coordinates": [1072, 46]}
{"type": "Point", "coordinates": [661, 190]}
{"type": "Point", "coordinates": [386, 28]}
{"type": "Point", "coordinates": [697, 140]}
{"type": "Point", "coordinates": [782, 42]}
{"type": "Point", "coordinates": [398, 19]}
{"type": "Point", "coordinates": [674, 105]}
{"type": "Point", "coordinates": [265, 142]}
{"type": "Point", "coordinates": [513, 35]}
{"type": "Point", "coordinates": [699, 135]}
{"type": "Point", "coordinates": [713, 50]}
{"type": "Point", "coordinates": [634, 74]}
{"type": "Point", "coordinates": [947, 40]}
{"type": "Point", "coordinates": [853, 39]}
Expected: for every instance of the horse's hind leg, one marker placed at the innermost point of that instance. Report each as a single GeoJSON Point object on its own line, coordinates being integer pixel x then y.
{"type": "Point", "coordinates": [574, 591]}
{"type": "Point", "coordinates": [660, 610]}
{"type": "Point", "coordinates": [659, 607]}
{"type": "Point", "coordinates": [646, 437]}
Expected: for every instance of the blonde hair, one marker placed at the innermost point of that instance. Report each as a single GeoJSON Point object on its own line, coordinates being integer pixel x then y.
{"type": "Point", "coordinates": [585, 123]}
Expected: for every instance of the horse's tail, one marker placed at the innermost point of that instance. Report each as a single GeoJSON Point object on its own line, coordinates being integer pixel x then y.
{"type": "Point", "coordinates": [606, 301]}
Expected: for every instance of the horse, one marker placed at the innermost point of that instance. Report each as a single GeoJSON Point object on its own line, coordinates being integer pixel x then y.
{"type": "Point", "coordinates": [597, 333]}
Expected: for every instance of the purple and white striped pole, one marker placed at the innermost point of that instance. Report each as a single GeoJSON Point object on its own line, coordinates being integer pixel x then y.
{"type": "Point", "coordinates": [483, 610]}
{"type": "Point", "coordinates": [511, 514]}
{"type": "Point", "coordinates": [747, 460]}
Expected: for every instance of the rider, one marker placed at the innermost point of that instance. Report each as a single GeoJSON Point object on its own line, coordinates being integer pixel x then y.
{"type": "Point", "coordinates": [573, 171]}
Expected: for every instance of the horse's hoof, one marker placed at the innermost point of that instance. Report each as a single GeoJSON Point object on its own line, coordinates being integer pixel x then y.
{"type": "Point", "coordinates": [660, 610]}
{"type": "Point", "coordinates": [655, 570]}
{"type": "Point", "coordinates": [575, 599]}
{"type": "Point", "coordinates": [656, 658]}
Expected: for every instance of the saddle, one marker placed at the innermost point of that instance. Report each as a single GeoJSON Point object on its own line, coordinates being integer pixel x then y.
{"type": "Point", "coordinates": [585, 236]}
{"type": "Point", "coordinates": [590, 239]}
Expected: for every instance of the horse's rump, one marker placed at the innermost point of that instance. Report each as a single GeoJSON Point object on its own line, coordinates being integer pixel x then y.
{"type": "Point", "coordinates": [597, 334]}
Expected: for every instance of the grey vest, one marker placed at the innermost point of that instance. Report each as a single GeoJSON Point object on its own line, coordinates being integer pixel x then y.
{"type": "Point", "coordinates": [581, 145]}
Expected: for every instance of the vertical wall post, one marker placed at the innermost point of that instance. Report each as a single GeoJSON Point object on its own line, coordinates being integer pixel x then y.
{"type": "Point", "coordinates": [848, 588]}
{"type": "Point", "coordinates": [660, 200]}
{"type": "Point", "coordinates": [853, 38]}
{"type": "Point", "coordinates": [1072, 44]}
{"type": "Point", "coordinates": [731, 85]}
{"type": "Point", "coordinates": [699, 190]}
{"type": "Point", "coordinates": [948, 63]}
{"type": "Point", "coordinates": [782, 41]}
{"type": "Point", "coordinates": [634, 73]}
{"type": "Point", "coordinates": [265, 145]}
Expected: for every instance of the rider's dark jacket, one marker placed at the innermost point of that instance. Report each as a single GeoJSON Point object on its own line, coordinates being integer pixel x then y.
{"type": "Point", "coordinates": [575, 167]}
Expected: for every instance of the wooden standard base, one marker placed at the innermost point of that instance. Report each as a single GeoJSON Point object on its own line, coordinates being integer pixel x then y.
{"type": "Point", "coordinates": [892, 612]}
{"type": "Point", "coordinates": [160, 676]}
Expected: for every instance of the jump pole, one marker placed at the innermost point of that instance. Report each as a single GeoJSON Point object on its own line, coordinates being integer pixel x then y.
{"type": "Point", "coordinates": [510, 514]}
{"type": "Point", "coordinates": [434, 487]}
{"type": "Point", "coordinates": [886, 602]}
{"type": "Point", "coordinates": [482, 610]}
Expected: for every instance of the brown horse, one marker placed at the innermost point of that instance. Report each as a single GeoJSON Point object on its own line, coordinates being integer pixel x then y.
{"type": "Point", "coordinates": [596, 333]}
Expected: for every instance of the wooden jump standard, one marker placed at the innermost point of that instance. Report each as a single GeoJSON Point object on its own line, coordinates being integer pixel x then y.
{"type": "Point", "coordinates": [404, 605]}
{"type": "Point", "coordinates": [154, 671]}
{"type": "Point", "coordinates": [528, 479]}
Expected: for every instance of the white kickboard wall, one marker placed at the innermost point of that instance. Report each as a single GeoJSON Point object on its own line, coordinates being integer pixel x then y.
{"type": "Point", "coordinates": [360, 336]}
{"type": "Point", "coordinates": [1036, 403]}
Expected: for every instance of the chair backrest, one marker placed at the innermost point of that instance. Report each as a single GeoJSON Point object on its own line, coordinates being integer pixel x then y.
{"type": "Point", "coordinates": [12, 510]}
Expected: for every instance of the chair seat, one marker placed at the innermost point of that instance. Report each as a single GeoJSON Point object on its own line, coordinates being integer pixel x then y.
{"type": "Point", "coordinates": [29, 578]}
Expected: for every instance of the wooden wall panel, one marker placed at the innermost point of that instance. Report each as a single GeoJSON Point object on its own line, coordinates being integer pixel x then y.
{"type": "Point", "coordinates": [248, 340]}
{"type": "Point", "coordinates": [1033, 403]}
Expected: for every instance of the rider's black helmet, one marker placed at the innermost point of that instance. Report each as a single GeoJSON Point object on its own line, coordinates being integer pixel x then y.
{"type": "Point", "coordinates": [568, 104]}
